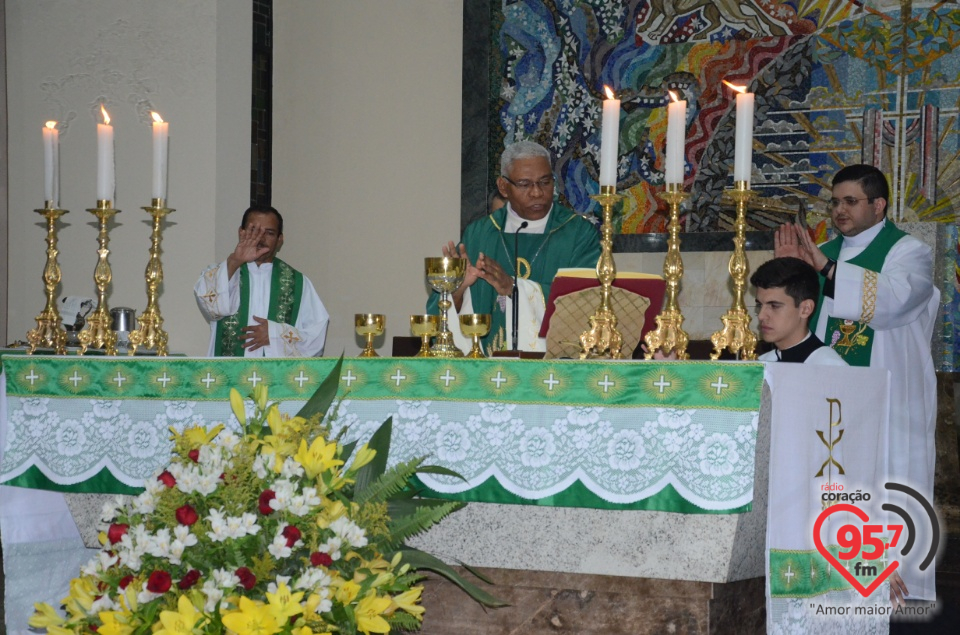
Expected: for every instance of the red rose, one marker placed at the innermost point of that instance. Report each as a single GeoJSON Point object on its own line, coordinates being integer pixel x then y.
{"type": "Point", "coordinates": [167, 479]}
{"type": "Point", "coordinates": [189, 580]}
{"type": "Point", "coordinates": [194, 455]}
{"type": "Point", "coordinates": [291, 533]}
{"type": "Point", "coordinates": [265, 497]}
{"type": "Point", "coordinates": [317, 558]}
{"type": "Point", "coordinates": [124, 581]}
{"type": "Point", "coordinates": [94, 628]}
{"type": "Point", "coordinates": [116, 532]}
{"type": "Point", "coordinates": [187, 515]}
{"type": "Point", "coordinates": [159, 582]}
{"type": "Point", "coordinates": [247, 579]}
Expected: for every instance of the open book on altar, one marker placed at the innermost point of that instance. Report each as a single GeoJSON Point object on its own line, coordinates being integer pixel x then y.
{"type": "Point", "coordinates": [636, 299]}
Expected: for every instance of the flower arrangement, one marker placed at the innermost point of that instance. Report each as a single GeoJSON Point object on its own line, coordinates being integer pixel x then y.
{"type": "Point", "coordinates": [281, 529]}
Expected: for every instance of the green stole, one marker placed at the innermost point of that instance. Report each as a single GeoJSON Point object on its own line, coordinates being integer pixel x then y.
{"type": "Point", "coordinates": [853, 340]}
{"type": "Point", "coordinates": [286, 291]}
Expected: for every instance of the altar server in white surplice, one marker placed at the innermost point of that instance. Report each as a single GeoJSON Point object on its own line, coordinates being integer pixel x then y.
{"type": "Point", "coordinates": [878, 308]}
{"type": "Point", "coordinates": [256, 304]}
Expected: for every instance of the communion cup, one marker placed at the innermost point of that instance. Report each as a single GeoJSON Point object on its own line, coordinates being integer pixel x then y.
{"type": "Point", "coordinates": [475, 325]}
{"type": "Point", "coordinates": [424, 327]}
{"type": "Point", "coordinates": [369, 325]}
{"type": "Point", "coordinates": [444, 275]}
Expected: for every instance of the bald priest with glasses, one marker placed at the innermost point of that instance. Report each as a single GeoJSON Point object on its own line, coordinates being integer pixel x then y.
{"type": "Point", "coordinates": [877, 307]}
{"type": "Point", "coordinates": [532, 233]}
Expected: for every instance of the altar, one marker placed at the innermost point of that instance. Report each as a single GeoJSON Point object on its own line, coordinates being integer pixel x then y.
{"type": "Point", "coordinates": [651, 471]}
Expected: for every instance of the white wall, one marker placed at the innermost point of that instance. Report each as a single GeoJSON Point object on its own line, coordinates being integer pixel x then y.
{"type": "Point", "coordinates": [366, 155]}
{"type": "Point", "coordinates": [187, 59]}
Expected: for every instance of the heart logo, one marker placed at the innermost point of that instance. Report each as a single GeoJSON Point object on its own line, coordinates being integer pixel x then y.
{"type": "Point", "coordinates": [862, 515]}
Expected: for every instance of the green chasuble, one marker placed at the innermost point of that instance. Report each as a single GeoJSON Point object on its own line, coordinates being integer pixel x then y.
{"type": "Point", "coordinates": [854, 339]}
{"type": "Point", "coordinates": [569, 240]}
{"type": "Point", "coordinates": [286, 290]}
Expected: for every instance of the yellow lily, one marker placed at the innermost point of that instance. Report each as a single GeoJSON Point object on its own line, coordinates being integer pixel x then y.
{"type": "Point", "coordinates": [284, 604]}
{"type": "Point", "coordinates": [260, 396]}
{"type": "Point", "coordinates": [364, 456]}
{"type": "Point", "coordinates": [236, 404]}
{"type": "Point", "coordinates": [319, 457]}
{"type": "Point", "coordinates": [197, 435]}
{"type": "Point", "coordinates": [182, 621]}
{"type": "Point", "coordinates": [114, 623]}
{"type": "Point", "coordinates": [347, 592]}
{"type": "Point", "coordinates": [408, 601]}
{"type": "Point", "coordinates": [251, 619]}
{"type": "Point", "coordinates": [45, 616]}
{"type": "Point", "coordinates": [332, 510]}
{"type": "Point", "coordinates": [368, 613]}
{"type": "Point", "coordinates": [82, 594]}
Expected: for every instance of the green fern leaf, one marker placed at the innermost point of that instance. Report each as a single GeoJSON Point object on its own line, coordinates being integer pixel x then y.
{"type": "Point", "coordinates": [387, 484]}
{"type": "Point", "coordinates": [421, 520]}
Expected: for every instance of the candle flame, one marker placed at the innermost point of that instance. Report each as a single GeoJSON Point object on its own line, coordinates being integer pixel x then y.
{"type": "Point", "coordinates": [106, 117]}
{"type": "Point", "coordinates": [739, 89]}
{"type": "Point", "coordinates": [156, 117]}
{"type": "Point", "coordinates": [673, 95]}
{"type": "Point", "coordinates": [51, 124]}
{"type": "Point", "coordinates": [608, 91]}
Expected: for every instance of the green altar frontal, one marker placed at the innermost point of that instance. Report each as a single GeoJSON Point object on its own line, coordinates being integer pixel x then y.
{"type": "Point", "coordinates": [614, 435]}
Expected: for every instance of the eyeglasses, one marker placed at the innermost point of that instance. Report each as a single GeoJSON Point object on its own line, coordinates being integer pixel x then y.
{"type": "Point", "coordinates": [544, 184]}
{"type": "Point", "coordinates": [847, 202]}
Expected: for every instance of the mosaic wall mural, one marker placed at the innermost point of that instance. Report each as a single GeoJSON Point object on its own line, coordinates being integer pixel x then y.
{"type": "Point", "coordinates": [836, 82]}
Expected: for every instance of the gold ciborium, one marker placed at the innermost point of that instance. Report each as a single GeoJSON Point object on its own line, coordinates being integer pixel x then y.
{"type": "Point", "coordinates": [424, 327]}
{"type": "Point", "coordinates": [369, 325]}
{"type": "Point", "coordinates": [444, 275]}
{"type": "Point", "coordinates": [475, 325]}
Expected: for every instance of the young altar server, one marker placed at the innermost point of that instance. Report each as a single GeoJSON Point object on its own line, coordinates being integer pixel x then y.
{"type": "Point", "coordinates": [787, 290]}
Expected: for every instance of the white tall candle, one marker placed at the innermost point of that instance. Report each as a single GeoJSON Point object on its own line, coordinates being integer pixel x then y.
{"type": "Point", "coordinates": [106, 185]}
{"type": "Point", "coordinates": [676, 140]}
{"type": "Point", "coordinates": [609, 140]}
{"type": "Point", "coordinates": [743, 152]}
{"type": "Point", "coordinates": [51, 163]}
{"type": "Point", "coordinates": [160, 136]}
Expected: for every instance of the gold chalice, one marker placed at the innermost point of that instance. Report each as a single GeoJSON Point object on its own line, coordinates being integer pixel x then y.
{"type": "Point", "coordinates": [475, 325]}
{"type": "Point", "coordinates": [370, 325]}
{"type": "Point", "coordinates": [445, 275]}
{"type": "Point", "coordinates": [425, 327]}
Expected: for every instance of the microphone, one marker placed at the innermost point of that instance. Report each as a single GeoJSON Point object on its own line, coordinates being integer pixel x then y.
{"type": "Point", "coordinates": [516, 290]}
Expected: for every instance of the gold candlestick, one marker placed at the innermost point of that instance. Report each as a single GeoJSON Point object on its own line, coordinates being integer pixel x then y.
{"type": "Point", "coordinates": [49, 332]}
{"type": "Point", "coordinates": [736, 335]}
{"type": "Point", "coordinates": [603, 339]}
{"type": "Point", "coordinates": [669, 334]}
{"type": "Point", "coordinates": [98, 331]}
{"type": "Point", "coordinates": [149, 333]}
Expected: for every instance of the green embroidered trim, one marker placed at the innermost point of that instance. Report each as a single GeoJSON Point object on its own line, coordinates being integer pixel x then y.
{"type": "Point", "coordinates": [802, 574]}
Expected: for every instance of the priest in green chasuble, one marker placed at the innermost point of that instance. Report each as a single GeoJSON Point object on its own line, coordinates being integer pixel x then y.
{"type": "Point", "coordinates": [548, 237]}
{"type": "Point", "coordinates": [258, 305]}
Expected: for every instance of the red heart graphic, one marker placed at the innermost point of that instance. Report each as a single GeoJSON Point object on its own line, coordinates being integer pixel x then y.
{"type": "Point", "coordinates": [862, 515]}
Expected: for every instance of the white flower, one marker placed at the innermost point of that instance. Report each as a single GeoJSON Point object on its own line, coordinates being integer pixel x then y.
{"type": "Point", "coordinates": [696, 432]}
{"type": "Point", "coordinates": [744, 434]}
{"type": "Point", "coordinates": [183, 535]}
{"type": "Point", "coordinates": [496, 412]}
{"type": "Point", "coordinates": [537, 447]}
{"type": "Point", "coordinates": [105, 408]}
{"type": "Point", "coordinates": [349, 532]}
{"type": "Point", "coordinates": [147, 596]}
{"type": "Point", "coordinates": [278, 548]}
{"type": "Point", "coordinates": [583, 416]}
{"type": "Point", "coordinates": [285, 491]}
{"type": "Point", "coordinates": [249, 523]}
{"type": "Point", "coordinates": [144, 503]}
{"type": "Point", "coordinates": [262, 466]}
{"type": "Point", "coordinates": [227, 440]}
{"type": "Point", "coordinates": [718, 455]}
{"type": "Point", "coordinates": [142, 440]}
{"type": "Point", "coordinates": [291, 469]}
{"type": "Point", "coordinates": [625, 450]}
{"type": "Point", "coordinates": [413, 409]}
{"type": "Point", "coordinates": [218, 526]}
{"type": "Point", "coordinates": [495, 436]}
{"type": "Point", "coordinates": [453, 441]}
{"type": "Point", "coordinates": [331, 548]}
{"type": "Point", "coordinates": [673, 419]}
{"type": "Point", "coordinates": [559, 427]}
{"type": "Point", "coordinates": [71, 438]}
{"type": "Point", "coordinates": [281, 579]}
{"type": "Point", "coordinates": [650, 429]}
{"type": "Point", "coordinates": [225, 579]}
{"type": "Point", "coordinates": [214, 595]}
{"type": "Point", "coordinates": [313, 578]}
{"type": "Point", "coordinates": [582, 438]}
{"type": "Point", "coordinates": [102, 603]}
